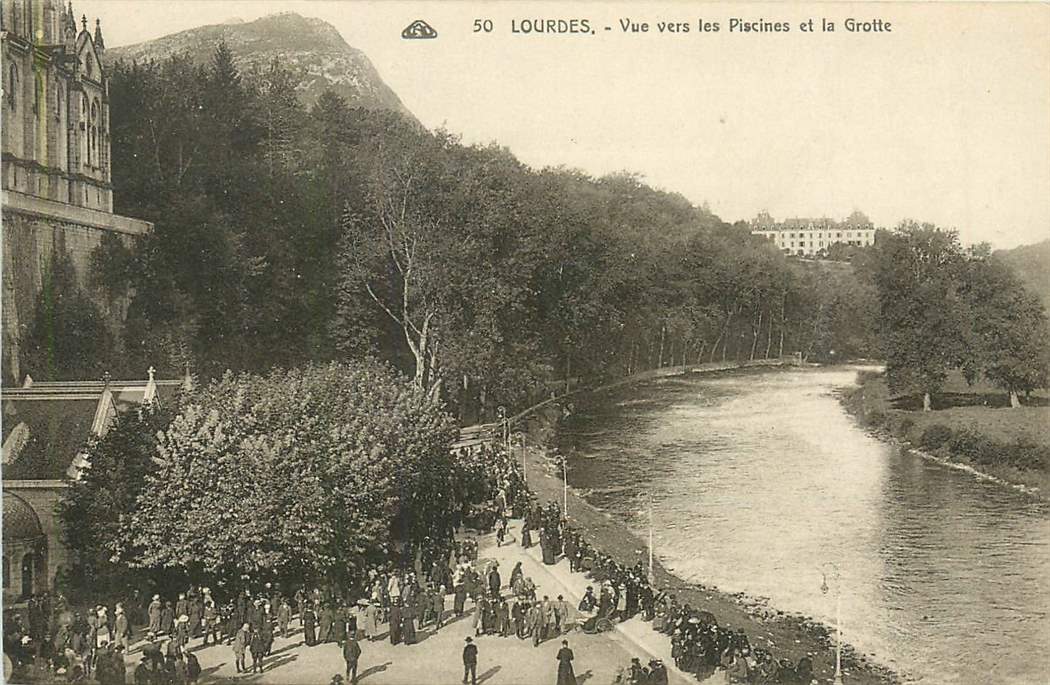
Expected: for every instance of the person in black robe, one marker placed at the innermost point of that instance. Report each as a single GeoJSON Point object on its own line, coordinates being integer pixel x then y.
{"type": "Point", "coordinates": [266, 631]}
{"type": "Point", "coordinates": [566, 676]}
{"type": "Point", "coordinates": [167, 619]}
{"type": "Point", "coordinates": [339, 625]}
{"type": "Point", "coordinates": [408, 622]}
{"type": "Point", "coordinates": [395, 624]}
{"type": "Point", "coordinates": [309, 619]}
{"type": "Point", "coordinates": [494, 581]}
{"type": "Point", "coordinates": [324, 633]}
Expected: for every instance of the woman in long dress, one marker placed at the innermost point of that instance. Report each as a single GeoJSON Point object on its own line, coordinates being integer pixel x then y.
{"type": "Point", "coordinates": [309, 619]}
{"type": "Point", "coordinates": [516, 576]}
{"type": "Point", "coordinates": [566, 676]}
{"type": "Point", "coordinates": [371, 621]}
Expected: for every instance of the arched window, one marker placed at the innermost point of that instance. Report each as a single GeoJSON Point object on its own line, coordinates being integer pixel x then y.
{"type": "Point", "coordinates": [7, 573]}
{"type": "Point", "coordinates": [58, 100]}
{"type": "Point", "coordinates": [12, 87]}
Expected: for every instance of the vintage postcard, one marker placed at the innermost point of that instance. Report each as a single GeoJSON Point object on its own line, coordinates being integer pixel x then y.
{"type": "Point", "coordinates": [412, 343]}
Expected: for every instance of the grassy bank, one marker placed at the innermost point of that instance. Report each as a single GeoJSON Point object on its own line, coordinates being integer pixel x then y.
{"type": "Point", "coordinates": [785, 635]}
{"type": "Point", "coordinates": [970, 425]}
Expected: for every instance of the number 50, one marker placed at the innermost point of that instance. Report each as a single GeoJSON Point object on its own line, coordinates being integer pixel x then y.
{"type": "Point", "coordinates": [483, 25]}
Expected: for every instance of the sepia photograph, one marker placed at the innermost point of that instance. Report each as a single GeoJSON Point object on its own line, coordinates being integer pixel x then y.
{"type": "Point", "coordinates": [525, 343]}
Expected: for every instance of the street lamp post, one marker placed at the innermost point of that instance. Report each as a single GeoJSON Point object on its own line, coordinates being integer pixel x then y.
{"type": "Point", "coordinates": [565, 486]}
{"type": "Point", "coordinates": [652, 575]}
{"type": "Point", "coordinates": [501, 414]}
{"type": "Point", "coordinates": [838, 615]}
{"type": "Point", "coordinates": [519, 441]}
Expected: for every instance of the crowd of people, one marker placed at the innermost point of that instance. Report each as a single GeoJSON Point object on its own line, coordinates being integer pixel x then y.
{"type": "Point", "coordinates": [699, 644]}
{"type": "Point", "coordinates": [396, 601]}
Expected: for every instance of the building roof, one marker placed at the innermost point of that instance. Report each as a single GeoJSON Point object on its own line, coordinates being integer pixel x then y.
{"type": "Point", "coordinates": [42, 435]}
{"type": "Point", "coordinates": [46, 425]}
{"type": "Point", "coordinates": [20, 521]}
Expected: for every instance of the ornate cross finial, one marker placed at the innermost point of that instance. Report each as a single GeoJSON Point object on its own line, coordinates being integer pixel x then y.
{"type": "Point", "coordinates": [83, 21]}
{"type": "Point", "coordinates": [151, 371]}
{"type": "Point", "coordinates": [106, 378]}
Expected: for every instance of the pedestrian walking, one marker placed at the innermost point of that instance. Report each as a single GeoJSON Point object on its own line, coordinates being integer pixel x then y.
{"type": "Point", "coordinates": [240, 645]}
{"type": "Point", "coordinates": [470, 662]}
{"type": "Point", "coordinates": [351, 654]}
{"type": "Point", "coordinates": [395, 624]}
{"type": "Point", "coordinates": [284, 617]}
{"type": "Point", "coordinates": [154, 614]}
{"type": "Point", "coordinates": [193, 668]}
{"type": "Point", "coordinates": [309, 626]}
{"type": "Point", "coordinates": [257, 646]}
{"type": "Point", "coordinates": [535, 621]}
{"type": "Point", "coordinates": [566, 676]}
{"type": "Point", "coordinates": [517, 612]}
{"type": "Point", "coordinates": [438, 609]}
{"type": "Point", "coordinates": [370, 621]}
{"type": "Point", "coordinates": [121, 627]}
{"type": "Point", "coordinates": [494, 580]}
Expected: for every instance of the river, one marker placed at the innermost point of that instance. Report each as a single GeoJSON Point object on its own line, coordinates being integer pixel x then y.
{"type": "Point", "coordinates": [760, 478]}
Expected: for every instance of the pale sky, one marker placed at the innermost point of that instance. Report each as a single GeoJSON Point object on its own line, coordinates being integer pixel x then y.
{"type": "Point", "coordinates": [944, 119]}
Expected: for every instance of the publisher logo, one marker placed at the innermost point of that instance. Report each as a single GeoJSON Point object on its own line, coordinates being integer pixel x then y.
{"type": "Point", "coordinates": [419, 29]}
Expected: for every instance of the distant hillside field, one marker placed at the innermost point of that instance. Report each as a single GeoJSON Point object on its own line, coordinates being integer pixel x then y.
{"type": "Point", "coordinates": [1032, 265]}
{"type": "Point", "coordinates": [311, 48]}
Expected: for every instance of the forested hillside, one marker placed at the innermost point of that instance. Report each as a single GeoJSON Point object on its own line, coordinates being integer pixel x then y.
{"type": "Point", "coordinates": [1031, 263]}
{"type": "Point", "coordinates": [285, 235]}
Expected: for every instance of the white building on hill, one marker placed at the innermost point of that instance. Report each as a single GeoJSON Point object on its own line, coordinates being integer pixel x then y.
{"type": "Point", "coordinates": [813, 237]}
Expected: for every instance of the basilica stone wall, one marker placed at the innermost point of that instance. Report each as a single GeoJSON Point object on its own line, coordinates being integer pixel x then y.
{"type": "Point", "coordinates": [34, 229]}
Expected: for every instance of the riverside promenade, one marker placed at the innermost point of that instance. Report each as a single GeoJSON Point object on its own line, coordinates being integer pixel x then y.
{"type": "Point", "coordinates": [436, 658]}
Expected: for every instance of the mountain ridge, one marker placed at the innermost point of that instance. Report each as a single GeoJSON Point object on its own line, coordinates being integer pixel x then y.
{"type": "Point", "coordinates": [1031, 263]}
{"type": "Point", "coordinates": [311, 48]}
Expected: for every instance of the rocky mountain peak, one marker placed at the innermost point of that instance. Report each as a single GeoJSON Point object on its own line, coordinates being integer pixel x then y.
{"type": "Point", "coordinates": [311, 48]}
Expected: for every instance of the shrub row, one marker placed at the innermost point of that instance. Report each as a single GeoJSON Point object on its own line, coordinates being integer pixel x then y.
{"type": "Point", "coordinates": [1022, 453]}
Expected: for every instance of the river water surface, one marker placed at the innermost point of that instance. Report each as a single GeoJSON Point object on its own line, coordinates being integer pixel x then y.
{"type": "Point", "coordinates": [760, 478]}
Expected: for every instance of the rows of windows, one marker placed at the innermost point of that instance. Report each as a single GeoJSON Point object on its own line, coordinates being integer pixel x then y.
{"type": "Point", "coordinates": [91, 111]}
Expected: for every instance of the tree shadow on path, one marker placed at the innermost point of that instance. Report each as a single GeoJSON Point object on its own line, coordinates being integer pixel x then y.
{"type": "Point", "coordinates": [371, 670]}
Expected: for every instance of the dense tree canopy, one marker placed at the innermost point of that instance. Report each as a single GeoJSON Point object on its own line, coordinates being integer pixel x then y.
{"type": "Point", "coordinates": [286, 236]}
{"type": "Point", "coordinates": [114, 471]}
{"type": "Point", "coordinates": [942, 308]}
{"type": "Point", "coordinates": [305, 474]}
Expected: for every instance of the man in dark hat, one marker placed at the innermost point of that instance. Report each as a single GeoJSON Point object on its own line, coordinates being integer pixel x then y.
{"type": "Point", "coordinates": [351, 654]}
{"type": "Point", "coordinates": [494, 580]}
{"type": "Point", "coordinates": [470, 661]}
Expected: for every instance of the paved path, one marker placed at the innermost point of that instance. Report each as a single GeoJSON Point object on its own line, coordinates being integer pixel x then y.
{"type": "Point", "coordinates": [436, 658]}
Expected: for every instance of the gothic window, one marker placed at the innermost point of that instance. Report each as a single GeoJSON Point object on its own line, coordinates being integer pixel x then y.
{"type": "Point", "coordinates": [7, 573]}
{"type": "Point", "coordinates": [12, 82]}
{"type": "Point", "coordinates": [58, 101]}
{"type": "Point", "coordinates": [93, 152]}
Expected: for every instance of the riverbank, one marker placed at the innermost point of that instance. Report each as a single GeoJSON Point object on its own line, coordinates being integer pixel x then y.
{"type": "Point", "coordinates": [785, 635]}
{"type": "Point", "coordinates": [977, 431]}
